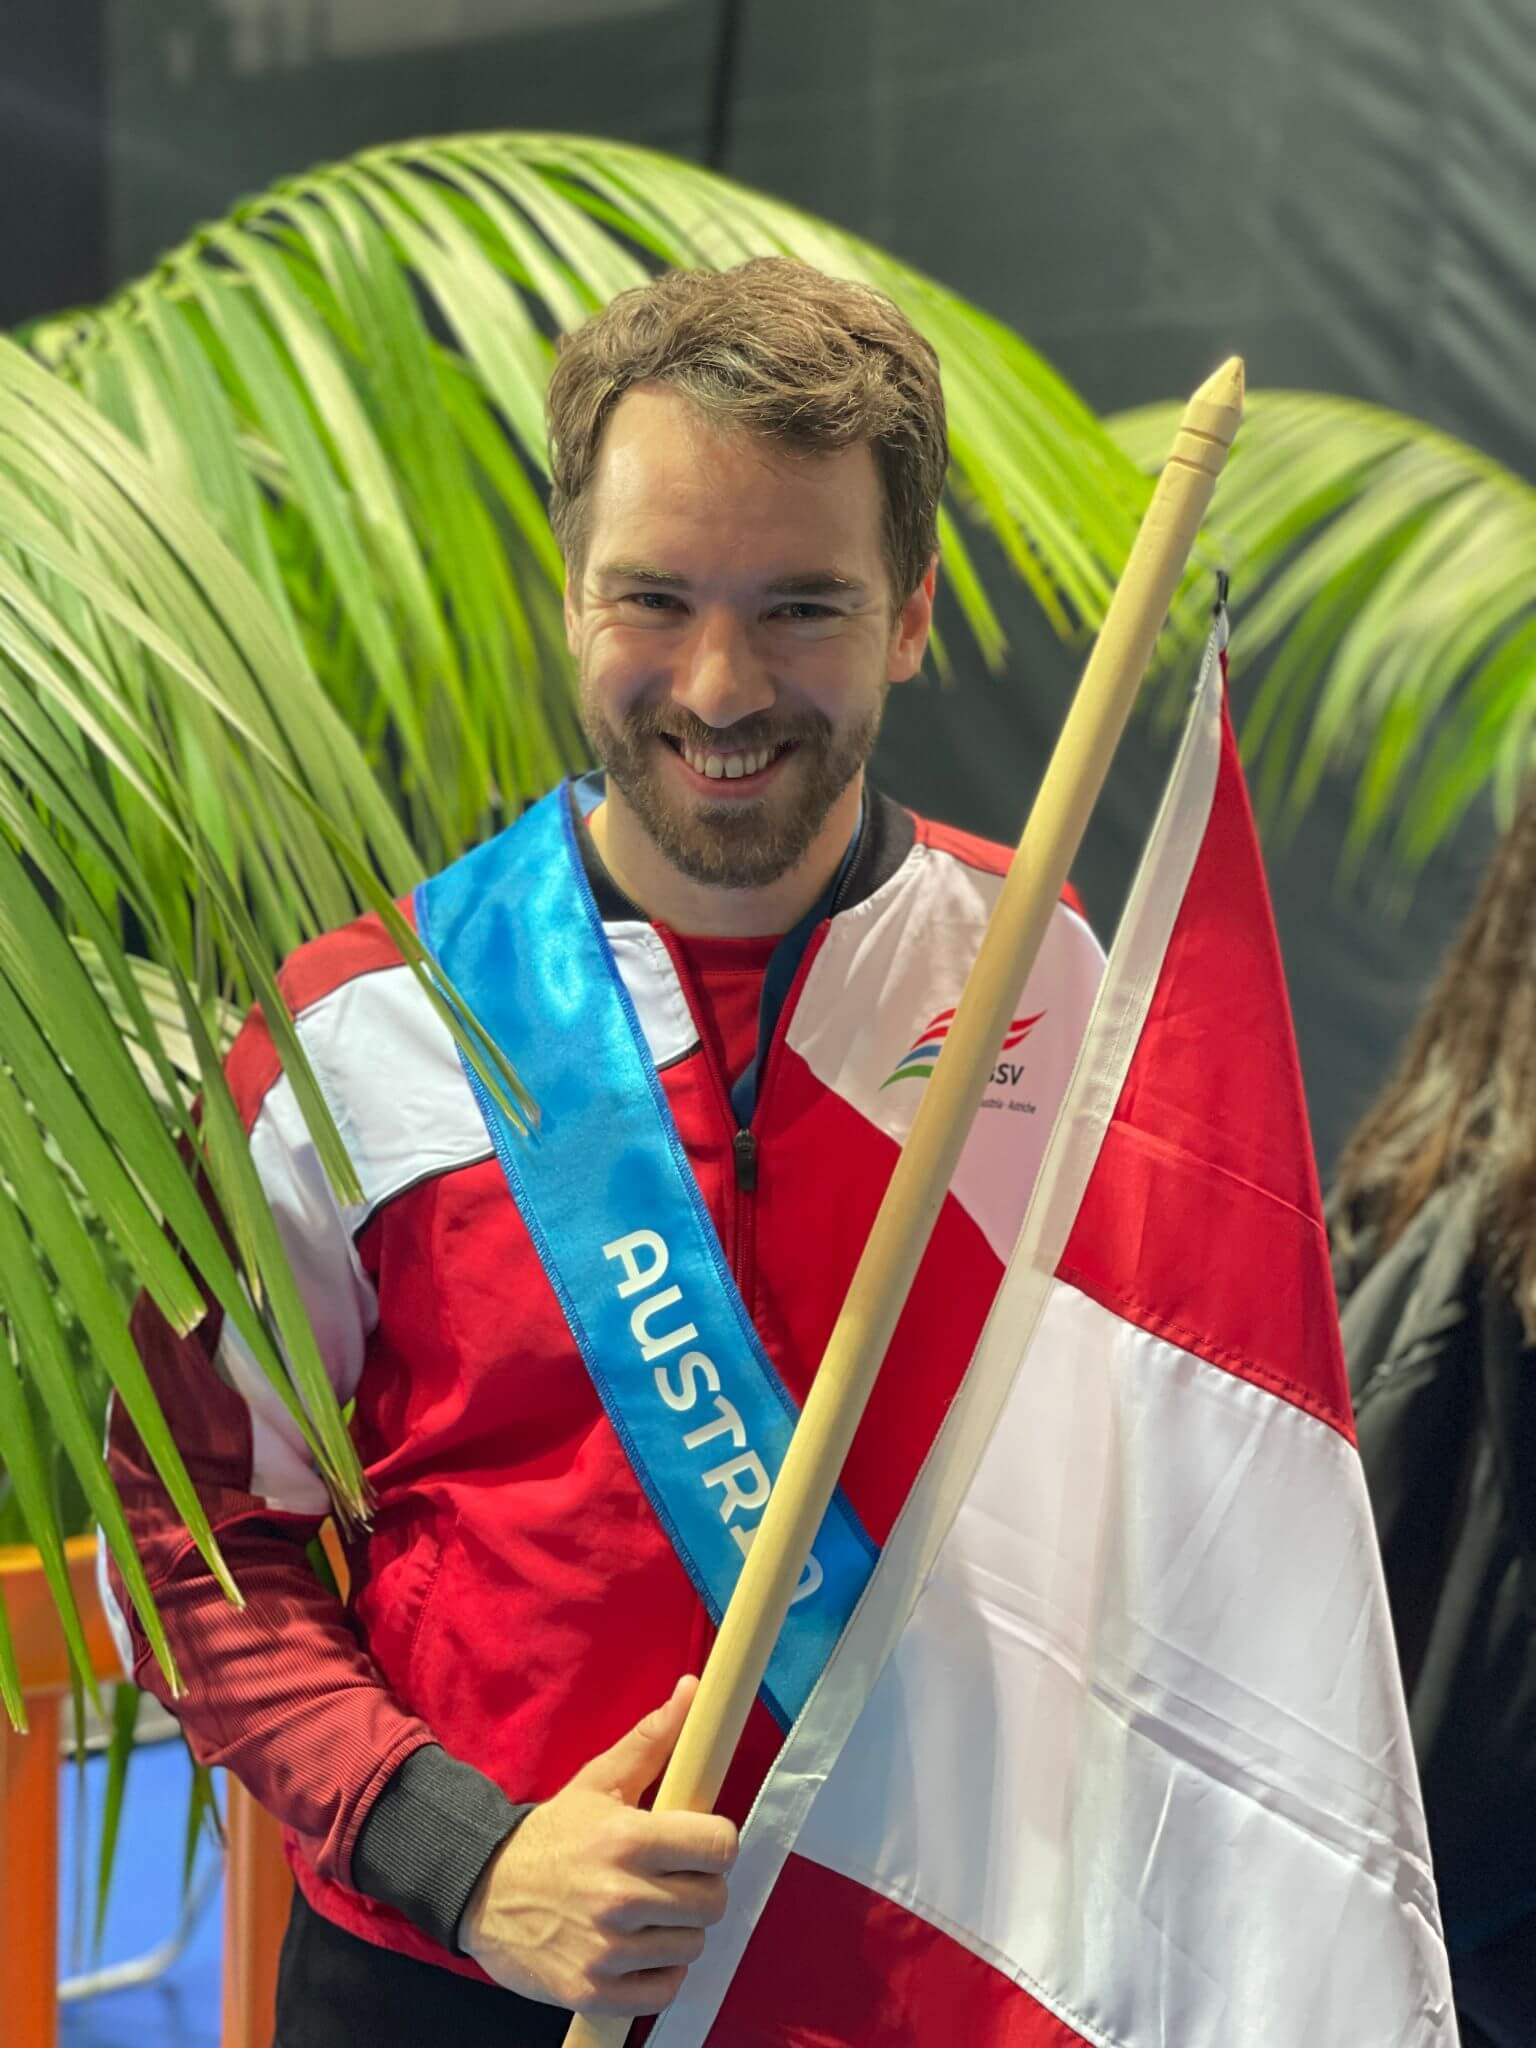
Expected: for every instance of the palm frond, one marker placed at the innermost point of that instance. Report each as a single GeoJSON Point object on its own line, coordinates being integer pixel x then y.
{"type": "Point", "coordinates": [158, 718]}
{"type": "Point", "coordinates": [349, 374]}
{"type": "Point", "coordinates": [1387, 579]}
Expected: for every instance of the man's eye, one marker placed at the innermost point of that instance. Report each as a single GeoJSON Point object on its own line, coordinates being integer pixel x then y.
{"type": "Point", "coordinates": [799, 613]}
{"type": "Point", "coordinates": [652, 600]}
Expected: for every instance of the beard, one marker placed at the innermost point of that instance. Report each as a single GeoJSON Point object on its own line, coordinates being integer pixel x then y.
{"type": "Point", "coordinates": [739, 844]}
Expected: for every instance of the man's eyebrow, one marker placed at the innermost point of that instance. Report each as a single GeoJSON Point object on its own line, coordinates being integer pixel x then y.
{"type": "Point", "coordinates": [804, 583]}
{"type": "Point", "coordinates": [816, 583]}
{"type": "Point", "coordinates": [640, 572]}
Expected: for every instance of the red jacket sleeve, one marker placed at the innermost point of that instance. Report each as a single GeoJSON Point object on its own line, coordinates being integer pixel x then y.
{"type": "Point", "coordinates": [281, 1691]}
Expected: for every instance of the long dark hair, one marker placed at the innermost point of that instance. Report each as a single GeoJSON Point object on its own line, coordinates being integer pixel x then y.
{"type": "Point", "coordinates": [1462, 1102]}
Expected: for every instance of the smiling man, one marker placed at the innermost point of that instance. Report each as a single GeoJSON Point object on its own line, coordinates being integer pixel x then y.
{"type": "Point", "coordinates": [743, 589]}
{"type": "Point", "coordinates": [723, 964]}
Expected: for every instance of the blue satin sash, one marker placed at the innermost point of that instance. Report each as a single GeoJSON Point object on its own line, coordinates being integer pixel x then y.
{"type": "Point", "coordinates": [621, 1228]}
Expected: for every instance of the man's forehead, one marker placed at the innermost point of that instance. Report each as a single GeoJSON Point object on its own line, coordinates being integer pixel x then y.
{"type": "Point", "coordinates": [657, 440]}
{"type": "Point", "coordinates": [676, 496]}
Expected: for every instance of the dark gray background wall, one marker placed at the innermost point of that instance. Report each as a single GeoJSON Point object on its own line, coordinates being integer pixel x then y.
{"type": "Point", "coordinates": [1341, 194]}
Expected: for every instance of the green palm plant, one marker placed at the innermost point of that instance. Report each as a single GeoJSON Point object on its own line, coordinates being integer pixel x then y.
{"type": "Point", "coordinates": [280, 631]}
{"type": "Point", "coordinates": [1395, 617]}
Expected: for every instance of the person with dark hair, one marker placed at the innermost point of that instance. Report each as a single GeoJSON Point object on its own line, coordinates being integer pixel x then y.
{"type": "Point", "coordinates": [1434, 1224]}
{"type": "Point", "coordinates": [572, 1361]}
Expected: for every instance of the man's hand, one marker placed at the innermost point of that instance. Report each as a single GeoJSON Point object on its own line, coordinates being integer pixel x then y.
{"type": "Point", "coordinates": [594, 1904]}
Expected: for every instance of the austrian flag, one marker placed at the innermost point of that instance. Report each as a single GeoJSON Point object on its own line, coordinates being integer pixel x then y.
{"type": "Point", "coordinates": [1113, 1749]}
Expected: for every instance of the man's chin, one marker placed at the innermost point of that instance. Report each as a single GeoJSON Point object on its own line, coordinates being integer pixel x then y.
{"type": "Point", "coordinates": [726, 845]}
{"type": "Point", "coordinates": [736, 838]}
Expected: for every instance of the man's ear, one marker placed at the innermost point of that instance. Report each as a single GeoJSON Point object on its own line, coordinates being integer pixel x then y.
{"type": "Point", "coordinates": [571, 607]}
{"type": "Point", "coordinates": [909, 635]}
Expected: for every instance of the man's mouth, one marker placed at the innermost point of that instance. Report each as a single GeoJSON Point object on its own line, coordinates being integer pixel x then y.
{"type": "Point", "coordinates": [736, 764]}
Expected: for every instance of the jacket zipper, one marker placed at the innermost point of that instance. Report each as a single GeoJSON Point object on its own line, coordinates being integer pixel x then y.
{"type": "Point", "coordinates": [743, 1179]}
{"type": "Point", "coordinates": [745, 1152]}
{"type": "Point", "coordinates": [744, 1157]}
{"type": "Point", "coordinates": [744, 1146]}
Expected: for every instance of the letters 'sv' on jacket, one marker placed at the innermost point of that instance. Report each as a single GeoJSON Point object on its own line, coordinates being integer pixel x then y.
{"type": "Point", "coordinates": [515, 1599]}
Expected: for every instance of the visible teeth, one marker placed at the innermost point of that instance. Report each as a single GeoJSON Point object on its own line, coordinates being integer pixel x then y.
{"type": "Point", "coordinates": [728, 767]}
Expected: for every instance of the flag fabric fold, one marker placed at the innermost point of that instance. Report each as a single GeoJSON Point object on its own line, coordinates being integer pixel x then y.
{"type": "Point", "coordinates": [1114, 1749]}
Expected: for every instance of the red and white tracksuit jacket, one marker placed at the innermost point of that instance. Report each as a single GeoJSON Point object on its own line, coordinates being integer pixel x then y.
{"type": "Point", "coordinates": [514, 1599]}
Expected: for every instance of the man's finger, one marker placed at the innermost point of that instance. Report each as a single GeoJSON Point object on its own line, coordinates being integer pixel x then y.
{"type": "Point", "coordinates": [658, 1948]}
{"type": "Point", "coordinates": [685, 1899]}
{"type": "Point", "coordinates": [641, 1991]}
{"type": "Point", "coordinates": [684, 1841]}
{"type": "Point", "coordinates": [638, 1759]}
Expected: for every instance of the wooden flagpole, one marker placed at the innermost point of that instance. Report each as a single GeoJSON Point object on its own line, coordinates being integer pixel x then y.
{"type": "Point", "coordinates": [915, 1194]}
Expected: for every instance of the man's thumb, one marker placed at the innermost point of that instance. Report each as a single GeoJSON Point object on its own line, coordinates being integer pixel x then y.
{"type": "Point", "coordinates": [638, 1759]}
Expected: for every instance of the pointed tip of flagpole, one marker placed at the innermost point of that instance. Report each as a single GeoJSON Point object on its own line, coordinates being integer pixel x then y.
{"type": "Point", "coordinates": [1210, 423]}
{"type": "Point", "coordinates": [1216, 410]}
{"type": "Point", "coordinates": [1226, 386]}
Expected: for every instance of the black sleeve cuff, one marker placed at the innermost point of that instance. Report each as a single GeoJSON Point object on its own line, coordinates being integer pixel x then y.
{"type": "Point", "coordinates": [427, 1838]}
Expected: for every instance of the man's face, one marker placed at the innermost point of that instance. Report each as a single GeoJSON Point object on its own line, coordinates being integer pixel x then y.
{"type": "Point", "coordinates": [735, 633]}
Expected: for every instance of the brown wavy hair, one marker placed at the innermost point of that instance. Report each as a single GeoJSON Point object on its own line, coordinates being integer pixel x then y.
{"type": "Point", "coordinates": [775, 348]}
{"type": "Point", "coordinates": [1461, 1104]}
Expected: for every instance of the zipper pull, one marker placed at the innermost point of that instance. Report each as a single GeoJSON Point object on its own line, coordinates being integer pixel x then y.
{"type": "Point", "coordinates": [744, 1145]}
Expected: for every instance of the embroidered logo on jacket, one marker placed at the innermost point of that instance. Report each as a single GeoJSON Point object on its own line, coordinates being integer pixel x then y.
{"type": "Point", "coordinates": [920, 1058]}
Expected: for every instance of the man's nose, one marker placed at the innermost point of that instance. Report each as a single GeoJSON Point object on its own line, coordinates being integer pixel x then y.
{"type": "Point", "coordinates": [720, 677]}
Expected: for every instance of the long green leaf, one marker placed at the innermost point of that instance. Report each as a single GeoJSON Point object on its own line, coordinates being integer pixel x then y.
{"type": "Point", "coordinates": [1385, 571]}
{"type": "Point", "coordinates": [40, 1341]}
{"type": "Point", "coordinates": [95, 1163]}
{"type": "Point", "coordinates": [10, 1672]}
{"type": "Point", "coordinates": [202, 1806]}
{"type": "Point", "coordinates": [80, 1281]}
{"type": "Point", "coordinates": [126, 1701]}
{"type": "Point", "coordinates": [29, 1477]}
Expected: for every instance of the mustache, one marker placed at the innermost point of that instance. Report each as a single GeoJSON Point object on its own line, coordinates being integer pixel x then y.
{"type": "Point", "coordinates": [758, 729]}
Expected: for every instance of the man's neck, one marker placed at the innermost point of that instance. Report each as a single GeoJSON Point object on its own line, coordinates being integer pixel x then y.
{"type": "Point", "coordinates": [669, 897]}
